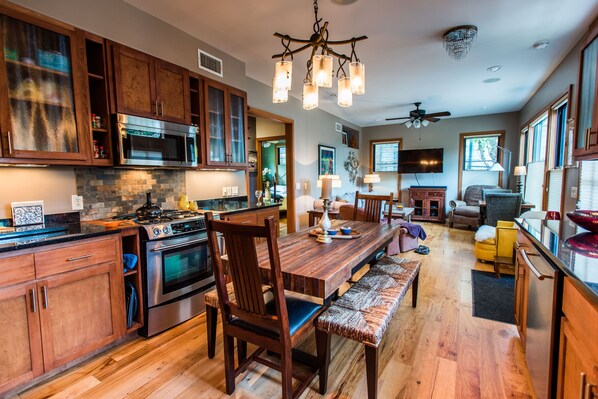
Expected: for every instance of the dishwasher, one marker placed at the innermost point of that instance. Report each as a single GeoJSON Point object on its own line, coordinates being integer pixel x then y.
{"type": "Point", "coordinates": [542, 322]}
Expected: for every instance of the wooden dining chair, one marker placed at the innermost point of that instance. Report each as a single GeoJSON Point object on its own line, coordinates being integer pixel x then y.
{"type": "Point", "coordinates": [371, 211]}
{"type": "Point", "coordinates": [278, 325]}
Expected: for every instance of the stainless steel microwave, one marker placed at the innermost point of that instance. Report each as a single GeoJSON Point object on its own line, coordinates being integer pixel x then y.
{"type": "Point", "coordinates": [150, 142]}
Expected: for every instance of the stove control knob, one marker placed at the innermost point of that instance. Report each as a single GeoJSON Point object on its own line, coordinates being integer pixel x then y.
{"type": "Point", "coordinates": [157, 231]}
{"type": "Point", "coordinates": [166, 230]}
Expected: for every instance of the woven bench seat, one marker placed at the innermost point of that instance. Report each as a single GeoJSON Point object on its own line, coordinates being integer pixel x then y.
{"type": "Point", "coordinates": [365, 310]}
{"type": "Point", "coordinates": [212, 306]}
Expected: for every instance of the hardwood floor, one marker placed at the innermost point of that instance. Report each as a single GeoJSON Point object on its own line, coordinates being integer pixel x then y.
{"type": "Point", "coordinates": [437, 350]}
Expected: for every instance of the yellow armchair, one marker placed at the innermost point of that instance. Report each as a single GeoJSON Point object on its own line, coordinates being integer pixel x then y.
{"type": "Point", "coordinates": [500, 248]}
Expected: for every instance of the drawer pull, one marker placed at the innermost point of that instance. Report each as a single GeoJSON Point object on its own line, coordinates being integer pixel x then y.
{"type": "Point", "coordinates": [33, 300]}
{"type": "Point", "coordinates": [531, 266]}
{"type": "Point", "coordinates": [45, 292]}
{"type": "Point", "coordinates": [79, 257]}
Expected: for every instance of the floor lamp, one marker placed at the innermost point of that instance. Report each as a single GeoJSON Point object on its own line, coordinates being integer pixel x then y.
{"type": "Point", "coordinates": [497, 167]}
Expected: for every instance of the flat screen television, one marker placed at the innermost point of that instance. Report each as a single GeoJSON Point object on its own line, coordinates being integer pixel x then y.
{"type": "Point", "coordinates": [421, 161]}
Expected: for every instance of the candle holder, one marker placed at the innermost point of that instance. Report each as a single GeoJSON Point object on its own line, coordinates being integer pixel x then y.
{"type": "Point", "coordinates": [325, 223]}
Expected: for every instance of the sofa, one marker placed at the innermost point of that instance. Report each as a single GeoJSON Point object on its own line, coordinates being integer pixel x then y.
{"type": "Point", "coordinates": [467, 211]}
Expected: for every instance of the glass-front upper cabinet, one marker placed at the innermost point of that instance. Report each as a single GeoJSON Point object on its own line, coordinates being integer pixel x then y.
{"type": "Point", "coordinates": [216, 130]}
{"type": "Point", "coordinates": [40, 79]}
{"type": "Point", "coordinates": [237, 128]}
{"type": "Point", "coordinates": [586, 138]}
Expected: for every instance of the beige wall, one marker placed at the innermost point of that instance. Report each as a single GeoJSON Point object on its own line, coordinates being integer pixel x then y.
{"type": "Point", "coordinates": [268, 128]}
{"type": "Point", "coordinates": [208, 184]}
{"type": "Point", "coordinates": [52, 185]}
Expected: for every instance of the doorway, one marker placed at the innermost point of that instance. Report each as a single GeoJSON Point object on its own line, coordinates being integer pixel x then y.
{"type": "Point", "coordinates": [273, 136]}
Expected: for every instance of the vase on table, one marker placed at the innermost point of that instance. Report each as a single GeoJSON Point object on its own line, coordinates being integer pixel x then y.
{"type": "Point", "coordinates": [325, 224]}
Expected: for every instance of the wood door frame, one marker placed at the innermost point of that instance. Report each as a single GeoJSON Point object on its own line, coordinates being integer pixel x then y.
{"type": "Point", "coordinates": [462, 137]}
{"type": "Point", "coordinates": [289, 128]}
{"type": "Point", "coordinates": [258, 148]}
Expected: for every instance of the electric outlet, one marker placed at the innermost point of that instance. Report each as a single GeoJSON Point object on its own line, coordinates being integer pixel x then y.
{"type": "Point", "coordinates": [224, 191]}
{"type": "Point", "coordinates": [573, 192]}
{"type": "Point", "coordinates": [235, 190]}
{"type": "Point", "coordinates": [77, 202]}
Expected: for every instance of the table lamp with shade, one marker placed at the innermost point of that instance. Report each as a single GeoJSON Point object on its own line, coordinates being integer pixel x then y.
{"type": "Point", "coordinates": [520, 171]}
{"type": "Point", "coordinates": [327, 182]}
{"type": "Point", "coordinates": [370, 179]}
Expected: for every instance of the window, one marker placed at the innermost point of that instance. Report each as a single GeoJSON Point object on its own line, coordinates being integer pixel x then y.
{"type": "Point", "coordinates": [385, 156]}
{"type": "Point", "coordinates": [539, 134]}
{"type": "Point", "coordinates": [560, 134]}
{"type": "Point", "coordinates": [480, 152]}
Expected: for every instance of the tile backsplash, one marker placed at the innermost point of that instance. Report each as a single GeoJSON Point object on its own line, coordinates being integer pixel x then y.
{"type": "Point", "coordinates": [111, 192]}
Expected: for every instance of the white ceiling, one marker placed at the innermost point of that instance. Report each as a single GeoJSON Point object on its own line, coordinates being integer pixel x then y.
{"type": "Point", "coordinates": [404, 58]}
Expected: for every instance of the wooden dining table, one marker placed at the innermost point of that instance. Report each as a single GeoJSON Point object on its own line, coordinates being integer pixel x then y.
{"type": "Point", "coordinates": [318, 270]}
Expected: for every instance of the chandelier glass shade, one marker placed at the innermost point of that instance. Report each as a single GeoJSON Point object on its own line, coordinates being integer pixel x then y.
{"type": "Point", "coordinates": [279, 95]}
{"type": "Point", "coordinates": [457, 41]}
{"type": "Point", "coordinates": [320, 66]}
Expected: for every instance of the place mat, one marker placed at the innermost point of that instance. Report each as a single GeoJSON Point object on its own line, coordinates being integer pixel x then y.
{"type": "Point", "coordinates": [319, 232]}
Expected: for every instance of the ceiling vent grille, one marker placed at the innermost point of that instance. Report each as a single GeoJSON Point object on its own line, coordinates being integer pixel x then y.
{"type": "Point", "coordinates": [210, 63]}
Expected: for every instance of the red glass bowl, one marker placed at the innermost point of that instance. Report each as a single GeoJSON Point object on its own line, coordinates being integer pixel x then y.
{"type": "Point", "coordinates": [584, 243]}
{"type": "Point", "coordinates": [585, 219]}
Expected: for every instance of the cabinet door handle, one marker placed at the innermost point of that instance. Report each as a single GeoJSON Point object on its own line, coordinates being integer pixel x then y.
{"type": "Point", "coordinates": [33, 300]}
{"type": "Point", "coordinates": [588, 134]}
{"type": "Point", "coordinates": [156, 105]}
{"type": "Point", "coordinates": [9, 143]}
{"type": "Point", "coordinates": [161, 108]}
{"type": "Point", "coordinates": [79, 257]}
{"type": "Point", "coordinates": [531, 266]}
{"type": "Point", "coordinates": [45, 293]}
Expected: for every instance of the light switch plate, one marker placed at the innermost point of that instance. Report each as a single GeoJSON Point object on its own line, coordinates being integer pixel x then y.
{"type": "Point", "coordinates": [229, 191]}
{"type": "Point", "coordinates": [224, 191]}
{"type": "Point", "coordinates": [77, 202]}
{"type": "Point", "coordinates": [235, 190]}
{"type": "Point", "coordinates": [297, 186]}
{"type": "Point", "coordinates": [573, 192]}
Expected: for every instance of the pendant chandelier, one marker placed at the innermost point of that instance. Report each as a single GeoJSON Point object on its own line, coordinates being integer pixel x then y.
{"type": "Point", "coordinates": [457, 41]}
{"type": "Point", "coordinates": [320, 67]}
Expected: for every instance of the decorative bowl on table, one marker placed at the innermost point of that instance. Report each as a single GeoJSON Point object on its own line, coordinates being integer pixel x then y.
{"type": "Point", "coordinates": [585, 219]}
{"type": "Point", "coordinates": [332, 232]}
{"type": "Point", "coordinates": [346, 230]}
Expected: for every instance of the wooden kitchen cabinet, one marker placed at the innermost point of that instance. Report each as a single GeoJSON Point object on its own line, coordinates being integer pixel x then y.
{"type": "Point", "coordinates": [149, 87]}
{"type": "Point", "coordinates": [226, 122]}
{"type": "Point", "coordinates": [586, 123]}
{"type": "Point", "coordinates": [43, 107]}
{"type": "Point", "coordinates": [428, 203]}
{"type": "Point", "coordinates": [255, 216]}
{"type": "Point", "coordinates": [578, 351]}
{"type": "Point", "coordinates": [58, 303]}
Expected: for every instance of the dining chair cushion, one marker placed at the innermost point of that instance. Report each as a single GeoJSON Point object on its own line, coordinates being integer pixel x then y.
{"type": "Point", "coordinates": [299, 311]}
{"type": "Point", "coordinates": [211, 297]}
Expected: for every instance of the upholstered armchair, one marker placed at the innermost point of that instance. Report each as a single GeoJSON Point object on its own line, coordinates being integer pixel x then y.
{"type": "Point", "coordinates": [502, 206]}
{"type": "Point", "coordinates": [498, 249]}
{"type": "Point", "coordinates": [467, 211]}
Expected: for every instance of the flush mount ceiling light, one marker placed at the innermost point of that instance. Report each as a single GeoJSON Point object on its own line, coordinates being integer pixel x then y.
{"type": "Point", "coordinates": [494, 68]}
{"type": "Point", "coordinates": [541, 45]}
{"type": "Point", "coordinates": [457, 41]}
{"type": "Point", "coordinates": [319, 66]}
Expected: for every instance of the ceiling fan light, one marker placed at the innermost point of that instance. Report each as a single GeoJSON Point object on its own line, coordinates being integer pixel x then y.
{"type": "Point", "coordinates": [310, 96]}
{"type": "Point", "coordinates": [417, 123]}
{"type": "Point", "coordinates": [322, 70]}
{"type": "Point", "coordinates": [425, 123]}
{"type": "Point", "coordinates": [345, 97]}
{"type": "Point", "coordinates": [279, 95]}
{"type": "Point", "coordinates": [357, 73]}
{"type": "Point", "coordinates": [408, 124]}
{"type": "Point", "coordinates": [283, 72]}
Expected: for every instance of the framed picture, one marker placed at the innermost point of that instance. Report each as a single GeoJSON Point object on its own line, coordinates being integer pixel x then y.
{"type": "Point", "coordinates": [344, 139]}
{"type": "Point", "coordinates": [326, 160]}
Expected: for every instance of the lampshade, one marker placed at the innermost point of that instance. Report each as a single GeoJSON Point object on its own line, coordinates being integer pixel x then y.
{"type": "Point", "coordinates": [496, 168]}
{"type": "Point", "coordinates": [373, 178]}
{"type": "Point", "coordinates": [408, 124]}
{"type": "Point", "coordinates": [357, 73]}
{"type": "Point", "coordinates": [279, 95]}
{"type": "Point", "coordinates": [520, 171]}
{"type": "Point", "coordinates": [310, 96]}
{"type": "Point", "coordinates": [322, 70]}
{"type": "Point", "coordinates": [417, 123]}
{"type": "Point", "coordinates": [283, 73]}
{"type": "Point", "coordinates": [327, 182]}
{"type": "Point", "coordinates": [425, 123]}
{"type": "Point", "coordinates": [345, 97]}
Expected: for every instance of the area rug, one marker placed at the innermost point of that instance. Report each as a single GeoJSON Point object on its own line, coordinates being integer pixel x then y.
{"type": "Point", "coordinates": [493, 298]}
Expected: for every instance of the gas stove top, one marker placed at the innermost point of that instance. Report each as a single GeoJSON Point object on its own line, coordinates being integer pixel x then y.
{"type": "Point", "coordinates": [169, 224]}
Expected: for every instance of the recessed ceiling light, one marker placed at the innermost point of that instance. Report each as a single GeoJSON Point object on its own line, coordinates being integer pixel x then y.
{"type": "Point", "coordinates": [541, 45]}
{"type": "Point", "coordinates": [494, 68]}
{"type": "Point", "coordinates": [343, 2]}
{"type": "Point", "coordinates": [491, 80]}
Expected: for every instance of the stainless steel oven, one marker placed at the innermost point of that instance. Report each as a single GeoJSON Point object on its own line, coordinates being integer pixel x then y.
{"type": "Point", "coordinates": [149, 142]}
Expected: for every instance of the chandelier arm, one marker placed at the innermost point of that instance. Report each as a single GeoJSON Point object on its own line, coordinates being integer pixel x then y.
{"type": "Point", "coordinates": [348, 41]}
{"type": "Point", "coordinates": [310, 66]}
{"type": "Point", "coordinates": [293, 52]}
{"type": "Point", "coordinates": [292, 39]}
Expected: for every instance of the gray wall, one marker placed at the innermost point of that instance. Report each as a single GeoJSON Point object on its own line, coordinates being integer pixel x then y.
{"type": "Point", "coordinates": [443, 134]}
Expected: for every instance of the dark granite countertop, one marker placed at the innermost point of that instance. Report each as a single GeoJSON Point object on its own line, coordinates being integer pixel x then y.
{"type": "Point", "coordinates": [554, 239]}
{"type": "Point", "coordinates": [54, 233]}
{"type": "Point", "coordinates": [229, 205]}
{"type": "Point", "coordinates": [250, 207]}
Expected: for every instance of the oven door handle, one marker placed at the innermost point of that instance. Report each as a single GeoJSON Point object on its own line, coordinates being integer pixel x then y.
{"type": "Point", "coordinates": [167, 247]}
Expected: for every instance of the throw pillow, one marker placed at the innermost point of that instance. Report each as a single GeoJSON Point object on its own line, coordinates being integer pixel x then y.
{"type": "Point", "coordinates": [485, 233]}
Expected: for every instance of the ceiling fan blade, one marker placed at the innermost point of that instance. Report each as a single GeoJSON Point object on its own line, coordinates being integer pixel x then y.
{"type": "Point", "coordinates": [445, 113]}
{"type": "Point", "coordinates": [395, 119]}
{"type": "Point", "coordinates": [431, 119]}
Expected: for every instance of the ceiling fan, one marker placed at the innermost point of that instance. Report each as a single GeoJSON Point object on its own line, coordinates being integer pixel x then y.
{"type": "Point", "coordinates": [418, 117]}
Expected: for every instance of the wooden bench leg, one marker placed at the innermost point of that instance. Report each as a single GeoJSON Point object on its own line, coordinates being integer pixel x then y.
{"type": "Point", "coordinates": [371, 366]}
{"type": "Point", "coordinates": [323, 350]}
{"type": "Point", "coordinates": [414, 288]}
{"type": "Point", "coordinates": [211, 321]}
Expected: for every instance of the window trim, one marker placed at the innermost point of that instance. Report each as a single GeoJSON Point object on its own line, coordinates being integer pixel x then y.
{"type": "Point", "coordinates": [371, 166]}
{"type": "Point", "coordinates": [498, 150]}
{"type": "Point", "coordinates": [462, 137]}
